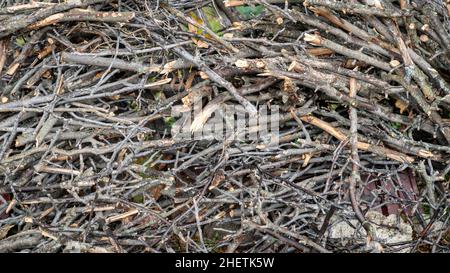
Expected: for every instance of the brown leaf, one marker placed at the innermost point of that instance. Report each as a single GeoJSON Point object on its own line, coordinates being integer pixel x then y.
{"type": "Point", "coordinates": [189, 80]}
{"type": "Point", "coordinates": [218, 178]}
{"type": "Point", "coordinates": [401, 105]}
{"type": "Point", "coordinates": [156, 191]}
{"type": "Point", "coordinates": [4, 230]}
{"type": "Point", "coordinates": [194, 29]}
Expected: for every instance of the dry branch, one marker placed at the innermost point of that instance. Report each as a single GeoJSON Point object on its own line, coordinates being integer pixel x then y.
{"type": "Point", "coordinates": [111, 141]}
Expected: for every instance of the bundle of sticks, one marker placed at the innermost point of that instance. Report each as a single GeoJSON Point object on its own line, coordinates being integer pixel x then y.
{"type": "Point", "coordinates": [90, 99]}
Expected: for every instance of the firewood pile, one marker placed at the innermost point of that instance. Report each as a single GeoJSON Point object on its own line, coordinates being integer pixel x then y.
{"type": "Point", "coordinates": [116, 133]}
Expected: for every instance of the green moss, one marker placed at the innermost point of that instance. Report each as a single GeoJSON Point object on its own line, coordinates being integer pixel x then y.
{"type": "Point", "coordinates": [211, 243]}
{"type": "Point", "coordinates": [138, 199]}
{"type": "Point", "coordinates": [426, 211]}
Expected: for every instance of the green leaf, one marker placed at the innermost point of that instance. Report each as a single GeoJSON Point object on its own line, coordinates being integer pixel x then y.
{"type": "Point", "coordinates": [248, 12]}
{"type": "Point", "coordinates": [169, 121]}
{"type": "Point", "coordinates": [396, 125]}
{"type": "Point", "coordinates": [138, 198]}
{"type": "Point", "coordinates": [333, 106]}
{"type": "Point", "coordinates": [134, 106]}
{"type": "Point", "coordinates": [157, 95]}
{"type": "Point", "coordinates": [213, 19]}
{"type": "Point", "coordinates": [20, 41]}
{"type": "Point", "coordinates": [152, 79]}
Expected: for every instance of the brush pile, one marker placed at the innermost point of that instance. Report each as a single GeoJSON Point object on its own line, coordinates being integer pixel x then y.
{"type": "Point", "coordinates": [90, 160]}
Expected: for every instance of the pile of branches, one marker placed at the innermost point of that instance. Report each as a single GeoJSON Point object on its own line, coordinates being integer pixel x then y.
{"type": "Point", "coordinates": [89, 161]}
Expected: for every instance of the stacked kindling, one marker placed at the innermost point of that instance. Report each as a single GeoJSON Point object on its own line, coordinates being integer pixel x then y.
{"type": "Point", "coordinates": [211, 126]}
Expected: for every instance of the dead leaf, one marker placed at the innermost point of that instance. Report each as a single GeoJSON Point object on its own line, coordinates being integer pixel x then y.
{"type": "Point", "coordinates": [218, 178]}
{"type": "Point", "coordinates": [401, 105]}
{"type": "Point", "coordinates": [4, 230]}
{"type": "Point", "coordinates": [198, 31]}
{"type": "Point", "coordinates": [189, 80]}
{"type": "Point", "coordinates": [155, 192]}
